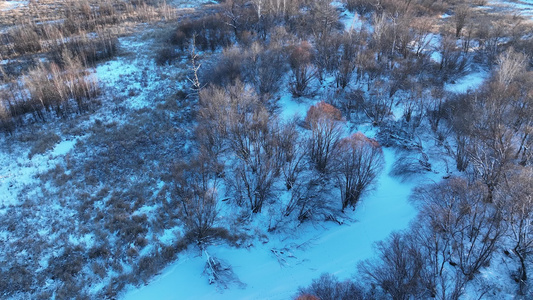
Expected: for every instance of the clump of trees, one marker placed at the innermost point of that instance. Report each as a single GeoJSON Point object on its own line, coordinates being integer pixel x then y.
{"type": "Point", "coordinates": [244, 130]}
{"type": "Point", "coordinates": [463, 221]}
{"type": "Point", "coordinates": [264, 152]}
{"type": "Point", "coordinates": [455, 235]}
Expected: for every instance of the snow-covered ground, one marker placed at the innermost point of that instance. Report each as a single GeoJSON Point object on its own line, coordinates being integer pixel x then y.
{"type": "Point", "coordinates": [19, 171]}
{"type": "Point", "coordinates": [135, 78]}
{"type": "Point", "coordinates": [471, 81]}
{"type": "Point", "coordinates": [310, 250]}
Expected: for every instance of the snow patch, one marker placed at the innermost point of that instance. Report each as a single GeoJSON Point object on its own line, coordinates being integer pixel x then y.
{"type": "Point", "coordinates": [308, 252]}
{"type": "Point", "coordinates": [469, 82]}
{"type": "Point", "coordinates": [10, 5]}
{"type": "Point", "coordinates": [64, 147]}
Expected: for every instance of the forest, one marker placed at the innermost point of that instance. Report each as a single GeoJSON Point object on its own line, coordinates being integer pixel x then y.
{"type": "Point", "coordinates": [137, 135]}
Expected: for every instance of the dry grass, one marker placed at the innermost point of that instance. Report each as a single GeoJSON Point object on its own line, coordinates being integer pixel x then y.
{"type": "Point", "coordinates": [45, 142]}
{"type": "Point", "coordinates": [94, 194]}
{"type": "Point", "coordinates": [53, 33]}
{"type": "Point", "coordinates": [125, 163]}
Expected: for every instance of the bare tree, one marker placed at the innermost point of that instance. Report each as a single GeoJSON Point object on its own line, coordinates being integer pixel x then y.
{"type": "Point", "coordinates": [322, 18]}
{"type": "Point", "coordinates": [214, 114]}
{"type": "Point", "coordinates": [461, 15]}
{"type": "Point", "coordinates": [328, 287]}
{"type": "Point", "coordinates": [327, 53]}
{"type": "Point", "coordinates": [414, 106]}
{"type": "Point", "coordinates": [383, 37]}
{"type": "Point", "coordinates": [294, 151]}
{"type": "Point", "coordinates": [511, 65]}
{"type": "Point", "coordinates": [254, 142]}
{"type": "Point", "coordinates": [439, 279]}
{"type": "Point", "coordinates": [378, 106]}
{"type": "Point", "coordinates": [234, 120]}
{"type": "Point", "coordinates": [303, 71]}
{"type": "Point", "coordinates": [306, 199]}
{"type": "Point", "coordinates": [265, 69]}
{"type": "Point", "coordinates": [516, 199]}
{"type": "Point", "coordinates": [324, 120]}
{"type": "Point", "coordinates": [196, 195]}
{"type": "Point", "coordinates": [398, 268]}
{"type": "Point", "coordinates": [458, 213]}
{"type": "Point", "coordinates": [351, 44]}
{"type": "Point", "coordinates": [453, 61]}
{"type": "Point", "coordinates": [359, 160]}
{"type": "Point", "coordinates": [422, 34]}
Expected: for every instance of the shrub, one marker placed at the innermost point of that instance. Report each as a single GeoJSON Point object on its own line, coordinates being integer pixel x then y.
{"type": "Point", "coordinates": [408, 166]}
{"type": "Point", "coordinates": [303, 71]}
{"type": "Point", "coordinates": [99, 251]}
{"type": "Point", "coordinates": [25, 39]}
{"type": "Point", "coordinates": [324, 121]}
{"type": "Point", "coordinates": [196, 196]}
{"type": "Point", "coordinates": [210, 32]}
{"type": "Point", "coordinates": [226, 68]}
{"type": "Point", "coordinates": [359, 160]}
{"type": "Point", "coordinates": [266, 70]}
{"type": "Point", "coordinates": [67, 266]}
{"type": "Point", "coordinates": [165, 55]}
{"type": "Point", "coordinates": [328, 287]}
